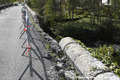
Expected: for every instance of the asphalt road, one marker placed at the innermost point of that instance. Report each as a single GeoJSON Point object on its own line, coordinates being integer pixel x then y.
{"type": "Point", "coordinates": [12, 64]}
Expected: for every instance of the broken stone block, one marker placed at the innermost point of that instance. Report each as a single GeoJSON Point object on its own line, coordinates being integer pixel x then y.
{"type": "Point", "coordinates": [70, 75]}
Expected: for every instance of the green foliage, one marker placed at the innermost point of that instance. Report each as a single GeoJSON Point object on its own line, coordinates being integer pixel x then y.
{"type": "Point", "coordinates": [48, 46]}
{"type": "Point", "coordinates": [107, 30]}
{"type": "Point", "coordinates": [49, 14]}
{"type": "Point", "coordinates": [94, 68]}
{"type": "Point", "coordinates": [59, 37]}
{"type": "Point", "coordinates": [103, 52]}
{"type": "Point", "coordinates": [13, 1]}
{"type": "Point", "coordinates": [73, 3]}
{"type": "Point", "coordinates": [81, 43]}
{"type": "Point", "coordinates": [108, 56]}
{"type": "Point", "coordinates": [117, 71]}
{"type": "Point", "coordinates": [58, 16]}
{"type": "Point", "coordinates": [6, 1]}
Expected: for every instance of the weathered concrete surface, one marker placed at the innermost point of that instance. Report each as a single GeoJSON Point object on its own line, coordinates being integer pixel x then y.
{"type": "Point", "coordinates": [12, 63]}
{"type": "Point", "coordinates": [87, 65]}
{"type": "Point", "coordinates": [107, 76]}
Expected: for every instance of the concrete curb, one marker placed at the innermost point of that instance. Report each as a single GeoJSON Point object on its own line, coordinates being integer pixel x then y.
{"type": "Point", "coordinates": [87, 65]}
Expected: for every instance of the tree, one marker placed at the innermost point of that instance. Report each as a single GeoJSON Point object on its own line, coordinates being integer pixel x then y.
{"type": "Point", "coordinates": [7, 1]}
{"type": "Point", "coordinates": [100, 3]}
{"type": "Point", "coordinates": [49, 14]}
{"type": "Point", "coordinates": [60, 13]}
{"type": "Point", "coordinates": [115, 7]}
{"type": "Point", "coordinates": [72, 4]}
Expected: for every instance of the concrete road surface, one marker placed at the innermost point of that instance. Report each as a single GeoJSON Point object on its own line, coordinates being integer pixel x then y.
{"type": "Point", "coordinates": [12, 64]}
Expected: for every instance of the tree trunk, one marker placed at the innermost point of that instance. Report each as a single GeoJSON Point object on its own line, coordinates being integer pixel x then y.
{"type": "Point", "coordinates": [100, 10]}
{"type": "Point", "coordinates": [110, 15]}
{"type": "Point", "coordinates": [94, 19]}
{"type": "Point", "coordinates": [60, 13]}
{"type": "Point", "coordinates": [69, 17]}
{"type": "Point", "coordinates": [94, 13]}
{"type": "Point", "coordinates": [90, 18]}
{"type": "Point", "coordinates": [29, 3]}
{"type": "Point", "coordinates": [72, 16]}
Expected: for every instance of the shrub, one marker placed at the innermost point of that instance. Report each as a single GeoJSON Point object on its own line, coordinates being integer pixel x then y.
{"type": "Point", "coordinates": [108, 56]}
{"type": "Point", "coordinates": [107, 30]}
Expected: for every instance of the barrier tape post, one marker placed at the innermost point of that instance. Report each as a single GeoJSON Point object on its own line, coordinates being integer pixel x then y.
{"type": "Point", "coordinates": [24, 14]}
{"type": "Point", "coordinates": [28, 48]}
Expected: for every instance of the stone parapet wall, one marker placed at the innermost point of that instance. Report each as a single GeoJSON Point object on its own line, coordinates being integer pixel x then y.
{"type": "Point", "coordinates": [87, 65]}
